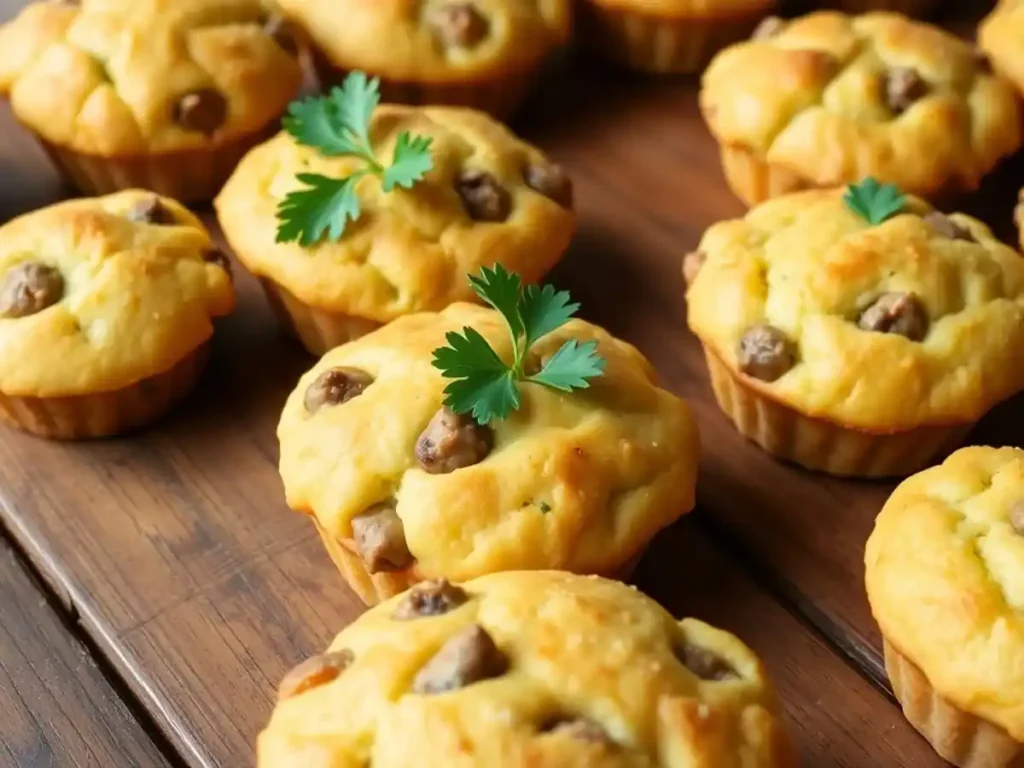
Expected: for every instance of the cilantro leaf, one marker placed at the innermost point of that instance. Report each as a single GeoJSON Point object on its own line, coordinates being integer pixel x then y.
{"type": "Point", "coordinates": [502, 289]}
{"type": "Point", "coordinates": [313, 123]}
{"type": "Point", "coordinates": [410, 163]}
{"type": "Point", "coordinates": [338, 125]}
{"type": "Point", "coordinates": [483, 384]}
{"type": "Point", "coordinates": [571, 367]}
{"type": "Point", "coordinates": [874, 202]}
{"type": "Point", "coordinates": [465, 354]}
{"type": "Point", "coordinates": [355, 102]}
{"type": "Point", "coordinates": [486, 395]}
{"type": "Point", "coordinates": [486, 386]}
{"type": "Point", "coordinates": [324, 206]}
{"type": "Point", "coordinates": [543, 310]}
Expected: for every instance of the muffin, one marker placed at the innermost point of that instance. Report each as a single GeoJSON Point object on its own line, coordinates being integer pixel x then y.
{"type": "Point", "coordinates": [945, 579]}
{"type": "Point", "coordinates": [852, 347]}
{"type": "Point", "coordinates": [1000, 36]}
{"type": "Point", "coordinates": [542, 669]}
{"type": "Point", "coordinates": [828, 99]}
{"type": "Point", "coordinates": [164, 95]}
{"type": "Point", "coordinates": [490, 198]}
{"type": "Point", "coordinates": [485, 54]}
{"type": "Point", "coordinates": [403, 490]}
{"type": "Point", "coordinates": [667, 36]}
{"type": "Point", "coordinates": [105, 313]}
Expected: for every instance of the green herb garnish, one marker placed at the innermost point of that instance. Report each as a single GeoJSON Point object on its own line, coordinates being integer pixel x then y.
{"type": "Point", "coordinates": [874, 202]}
{"type": "Point", "coordinates": [338, 125]}
{"type": "Point", "coordinates": [484, 384]}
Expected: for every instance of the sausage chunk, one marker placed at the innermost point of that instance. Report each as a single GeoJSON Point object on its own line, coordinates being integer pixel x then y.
{"type": "Point", "coordinates": [452, 441]}
{"type": "Point", "coordinates": [380, 539]}
{"type": "Point", "coordinates": [704, 664]}
{"type": "Point", "coordinates": [431, 598]}
{"type": "Point", "coordinates": [29, 288]}
{"type": "Point", "coordinates": [468, 657]}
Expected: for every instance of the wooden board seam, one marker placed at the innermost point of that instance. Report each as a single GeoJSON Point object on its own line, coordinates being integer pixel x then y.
{"type": "Point", "coordinates": [60, 593]}
{"type": "Point", "coordinates": [867, 664]}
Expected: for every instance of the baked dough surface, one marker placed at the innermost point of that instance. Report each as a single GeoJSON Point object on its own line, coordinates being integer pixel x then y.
{"type": "Point", "coordinates": [137, 297]}
{"type": "Point", "coordinates": [576, 647]}
{"type": "Point", "coordinates": [394, 40]}
{"type": "Point", "coordinates": [411, 249]}
{"type": "Point", "coordinates": [102, 77]}
{"type": "Point", "coordinates": [1001, 36]}
{"type": "Point", "coordinates": [812, 100]}
{"type": "Point", "coordinates": [945, 578]}
{"type": "Point", "coordinates": [578, 481]}
{"type": "Point", "coordinates": [807, 265]}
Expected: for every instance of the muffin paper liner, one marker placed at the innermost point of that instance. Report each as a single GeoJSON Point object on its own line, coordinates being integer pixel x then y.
{"type": "Point", "coordinates": [190, 176]}
{"type": "Point", "coordinates": [650, 43]}
{"type": "Point", "coordinates": [754, 181]}
{"type": "Point", "coordinates": [373, 588]}
{"type": "Point", "coordinates": [821, 445]}
{"type": "Point", "coordinates": [316, 329]}
{"type": "Point", "coordinates": [500, 97]}
{"type": "Point", "coordinates": [105, 413]}
{"type": "Point", "coordinates": [961, 738]}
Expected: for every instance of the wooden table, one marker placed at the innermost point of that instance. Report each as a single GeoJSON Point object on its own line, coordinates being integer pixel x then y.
{"type": "Point", "coordinates": [154, 589]}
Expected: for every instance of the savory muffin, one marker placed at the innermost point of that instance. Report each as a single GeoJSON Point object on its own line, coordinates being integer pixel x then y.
{"type": "Point", "coordinates": [543, 669]}
{"type": "Point", "coordinates": [857, 331]}
{"type": "Point", "coordinates": [403, 489]}
{"type": "Point", "coordinates": [485, 54]}
{"type": "Point", "coordinates": [165, 95]}
{"type": "Point", "coordinates": [828, 99]}
{"type": "Point", "coordinates": [105, 313]}
{"type": "Point", "coordinates": [1000, 36]}
{"type": "Point", "coordinates": [945, 578]}
{"type": "Point", "coordinates": [489, 198]}
{"type": "Point", "coordinates": [667, 36]}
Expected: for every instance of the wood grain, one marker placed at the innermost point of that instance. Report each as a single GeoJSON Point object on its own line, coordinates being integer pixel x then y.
{"type": "Point", "coordinates": [58, 709]}
{"type": "Point", "coordinates": [175, 547]}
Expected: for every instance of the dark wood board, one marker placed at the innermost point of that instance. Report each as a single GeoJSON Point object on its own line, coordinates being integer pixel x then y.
{"type": "Point", "coordinates": [58, 709]}
{"type": "Point", "coordinates": [178, 553]}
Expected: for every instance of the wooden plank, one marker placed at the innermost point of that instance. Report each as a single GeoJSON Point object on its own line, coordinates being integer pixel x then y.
{"type": "Point", "coordinates": [837, 716]}
{"type": "Point", "coordinates": [58, 709]}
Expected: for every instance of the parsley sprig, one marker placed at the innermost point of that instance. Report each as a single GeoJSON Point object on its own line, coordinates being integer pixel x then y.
{"type": "Point", "coordinates": [338, 125]}
{"type": "Point", "coordinates": [486, 386]}
{"type": "Point", "coordinates": [874, 202]}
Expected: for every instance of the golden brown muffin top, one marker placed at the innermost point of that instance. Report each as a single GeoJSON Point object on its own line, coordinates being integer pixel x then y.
{"type": "Point", "coordinates": [437, 41]}
{"type": "Point", "coordinates": [834, 98]}
{"type": "Point", "coordinates": [98, 294]}
{"type": "Point", "coordinates": [881, 328]}
{"type": "Point", "coordinates": [541, 669]}
{"type": "Point", "coordinates": [945, 578]}
{"type": "Point", "coordinates": [490, 198]}
{"type": "Point", "coordinates": [134, 77]}
{"type": "Point", "coordinates": [1001, 37]}
{"type": "Point", "coordinates": [580, 481]}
